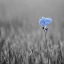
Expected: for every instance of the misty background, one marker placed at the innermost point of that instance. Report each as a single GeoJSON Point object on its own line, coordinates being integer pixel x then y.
{"type": "Point", "coordinates": [26, 14]}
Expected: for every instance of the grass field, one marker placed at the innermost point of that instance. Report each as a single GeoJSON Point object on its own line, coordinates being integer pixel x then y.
{"type": "Point", "coordinates": [18, 47]}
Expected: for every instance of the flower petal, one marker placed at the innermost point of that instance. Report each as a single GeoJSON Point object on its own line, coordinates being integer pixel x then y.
{"type": "Point", "coordinates": [45, 21]}
{"type": "Point", "coordinates": [48, 20]}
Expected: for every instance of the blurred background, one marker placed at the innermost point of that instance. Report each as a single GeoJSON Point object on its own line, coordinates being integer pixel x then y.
{"type": "Point", "coordinates": [26, 13]}
{"type": "Point", "coordinates": [19, 21]}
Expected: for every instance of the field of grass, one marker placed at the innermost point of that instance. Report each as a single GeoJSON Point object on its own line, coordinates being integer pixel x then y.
{"type": "Point", "coordinates": [29, 48]}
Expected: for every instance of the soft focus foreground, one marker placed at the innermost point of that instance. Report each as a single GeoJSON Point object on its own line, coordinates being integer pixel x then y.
{"type": "Point", "coordinates": [17, 47]}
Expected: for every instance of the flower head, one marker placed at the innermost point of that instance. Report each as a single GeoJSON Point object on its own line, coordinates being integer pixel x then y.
{"type": "Point", "coordinates": [45, 21]}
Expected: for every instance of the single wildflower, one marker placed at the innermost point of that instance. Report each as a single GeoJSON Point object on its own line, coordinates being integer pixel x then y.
{"type": "Point", "coordinates": [44, 22]}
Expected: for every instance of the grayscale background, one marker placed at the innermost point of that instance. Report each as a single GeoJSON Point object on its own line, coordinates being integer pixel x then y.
{"type": "Point", "coordinates": [28, 12]}
{"type": "Point", "coordinates": [19, 22]}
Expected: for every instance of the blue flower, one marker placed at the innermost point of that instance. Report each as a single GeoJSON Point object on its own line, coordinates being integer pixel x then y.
{"type": "Point", "coordinates": [45, 21]}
